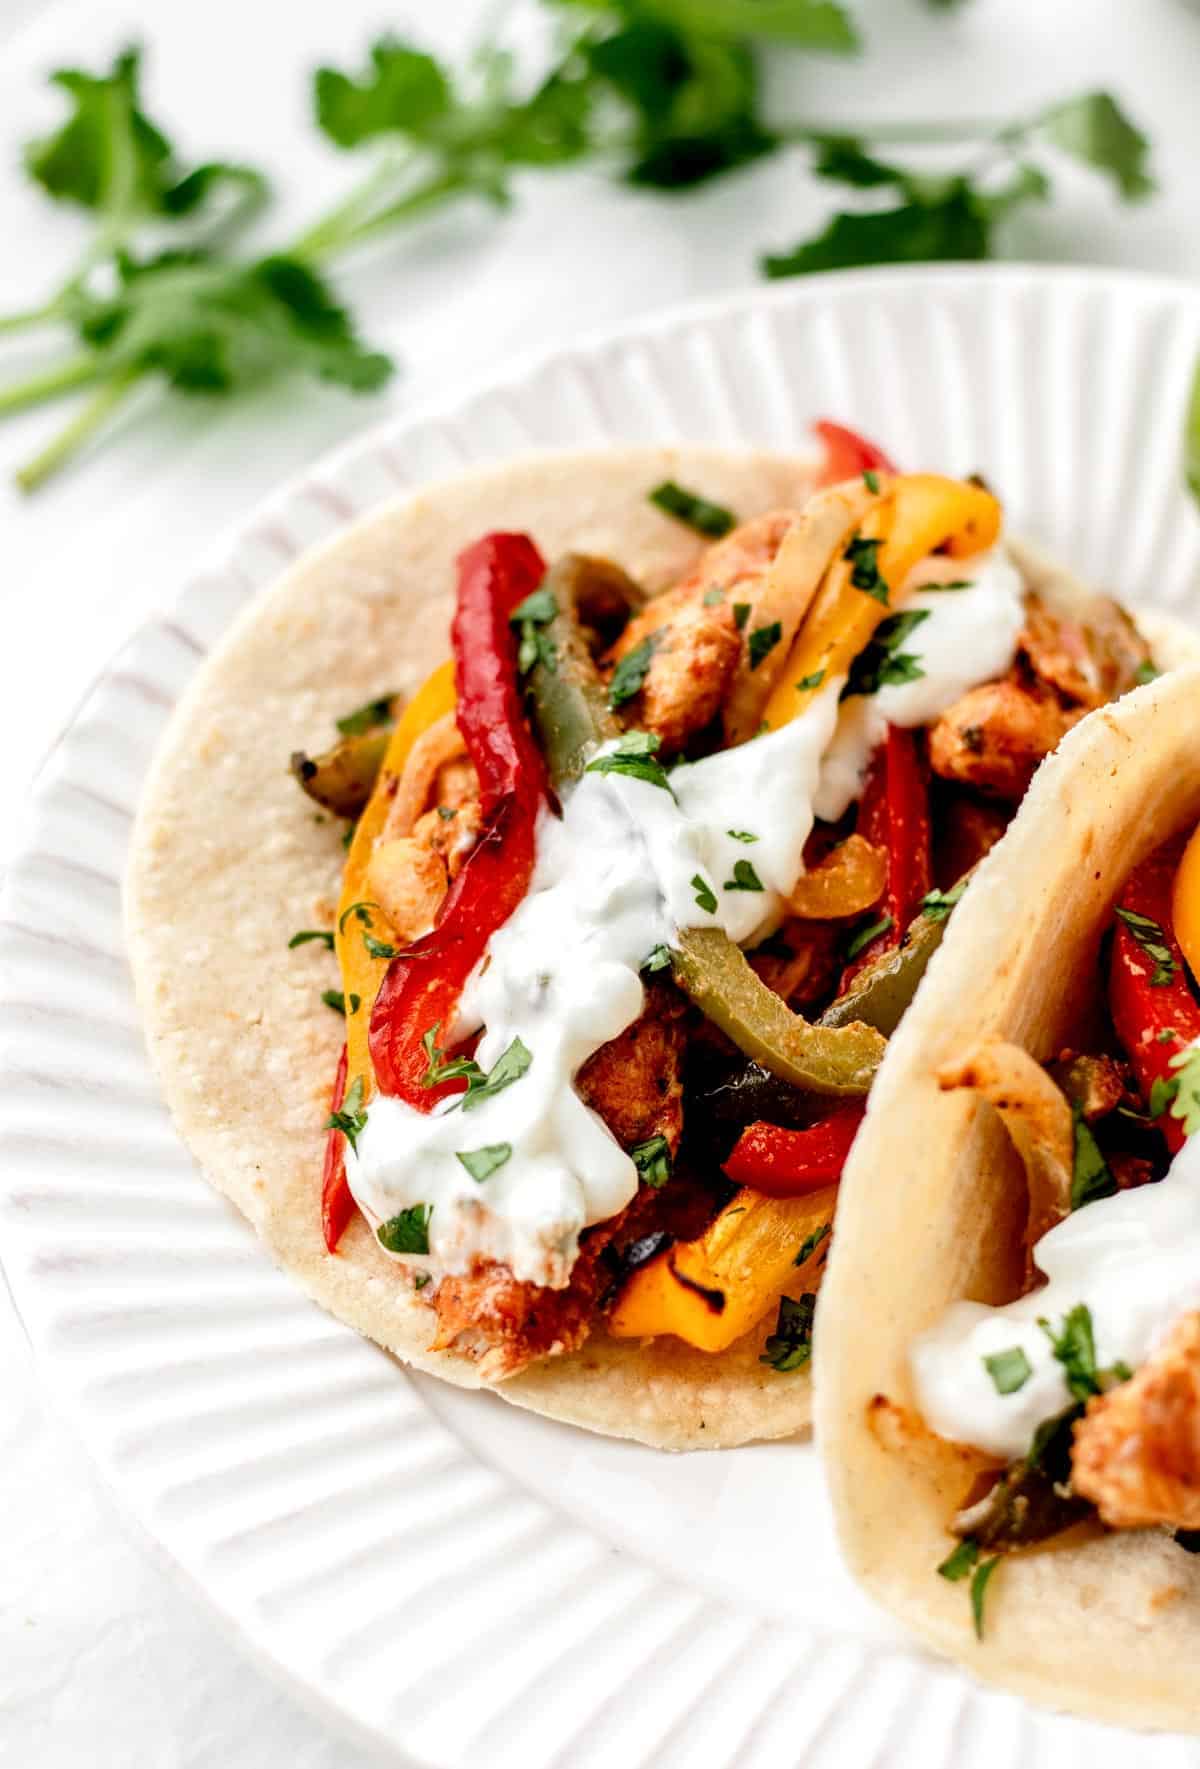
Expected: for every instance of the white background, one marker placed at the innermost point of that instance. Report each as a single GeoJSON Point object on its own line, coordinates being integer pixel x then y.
{"type": "Point", "coordinates": [103, 1660]}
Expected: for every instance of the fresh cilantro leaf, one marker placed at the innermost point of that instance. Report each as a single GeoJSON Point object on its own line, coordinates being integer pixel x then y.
{"type": "Point", "coordinates": [806, 24]}
{"type": "Point", "coordinates": [865, 935]}
{"type": "Point", "coordinates": [862, 554]}
{"type": "Point", "coordinates": [1009, 1370]}
{"type": "Point", "coordinates": [1091, 1177]}
{"type": "Point", "coordinates": [351, 1116]}
{"type": "Point", "coordinates": [741, 835]}
{"type": "Point", "coordinates": [630, 673]}
{"type": "Point", "coordinates": [634, 755]}
{"type": "Point", "coordinates": [652, 1159]}
{"type": "Point", "coordinates": [1185, 1104]}
{"type": "Point", "coordinates": [979, 1585]}
{"type": "Point", "coordinates": [844, 160]}
{"type": "Point", "coordinates": [881, 663]}
{"type": "Point", "coordinates": [1146, 672]}
{"type": "Point", "coordinates": [938, 904]}
{"type": "Point", "coordinates": [705, 896]}
{"type": "Point", "coordinates": [871, 479]}
{"type": "Point", "coordinates": [789, 1347]}
{"type": "Point", "coordinates": [421, 1279]}
{"type": "Point", "coordinates": [1162, 1092]}
{"type": "Point", "coordinates": [408, 1232]}
{"type": "Point", "coordinates": [447, 813]}
{"type": "Point", "coordinates": [360, 912]}
{"type": "Point", "coordinates": [482, 1163]}
{"type": "Point", "coordinates": [744, 878]}
{"type": "Point", "coordinates": [366, 718]}
{"type": "Point", "coordinates": [807, 683]}
{"type": "Point", "coordinates": [1074, 1345]}
{"type": "Point", "coordinates": [540, 607]}
{"type": "Point", "coordinates": [1150, 937]}
{"type": "Point", "coordinates": [809, 1247]}
{"type": "Point", "coordinates": [960, 1560]}
{"type": "Point", "coordinates": [380, 948]}
{"type": "Point", "coordinates": [952, 227]}
{"type": "Point", "coordinates": [403, 90]}
{"type": "Point", "coordinates": [1093, 128]}
{"type": "Point", "coordinates": [659, 958]}
{"type": "Point", "coordinates": [508, 1067]}
{"type": "Point", "coordinates": [697, 512]}
{"type": "Point", "coordinates": [337, 1001]}
{"type": "Point", "coordinates": [763, 641]}
{"type": "Point", "coordinates": [530, 617]}
{"type": "Point", "coordinates": [442, 1068]}
{"type": "Point", "coordinates": [741, 614]}
{"type": "Point", "coordinates": [310, 933]}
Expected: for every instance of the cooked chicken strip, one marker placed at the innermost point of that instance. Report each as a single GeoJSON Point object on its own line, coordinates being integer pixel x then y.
{"type": "Point", "coordinates": [1136, 1454]}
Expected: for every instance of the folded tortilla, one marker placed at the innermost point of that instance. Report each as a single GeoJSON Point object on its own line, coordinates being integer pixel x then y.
{"type": "Point", "coordinates": [932, 1210]}
{"type": "Point", "coordinates": [228, 860]}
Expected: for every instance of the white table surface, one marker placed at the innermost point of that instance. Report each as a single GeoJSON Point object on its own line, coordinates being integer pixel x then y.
{"type": "Point", "coordinates": [104, 1660]}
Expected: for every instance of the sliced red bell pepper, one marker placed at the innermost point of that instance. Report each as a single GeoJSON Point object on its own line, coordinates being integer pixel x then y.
{"type": "Point", "coordinates": [787, 1163]}
{"type": "Point", "coordinates": [337, 1204]}
{"type": "Point", "coordinates": [1154, 1021]}
{"type": "Point", "coordinates": [847, 454]}
{"type": "Point", "coordinates": [422, 985]}
{"type": "Point", "coordinates": [893, 814]}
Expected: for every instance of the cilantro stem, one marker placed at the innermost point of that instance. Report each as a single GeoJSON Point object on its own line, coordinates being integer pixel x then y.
{"type": "Point", "coordinates": [337, 227]}
{"type": "Point", "coordinates": [29, 317]}
{"type": "Point", "coordinates": [70, 440]}
{"type": "Point", "coordinates": [65, 377]}
{"type": "Point", "coordinates": [425, 196]}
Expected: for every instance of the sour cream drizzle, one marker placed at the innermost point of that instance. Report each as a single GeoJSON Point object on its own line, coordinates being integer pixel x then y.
{"type": "Point", "coordinates": [1133, 1260]}
{"type": "Point", "coordinates": [625, 868]}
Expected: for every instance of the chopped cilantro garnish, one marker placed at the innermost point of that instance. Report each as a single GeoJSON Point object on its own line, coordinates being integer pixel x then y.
{"type": "Point", "coordinates": [806, 683]}
{"type": "Point", "coordinates": [447, 813]}
{"type": "Point", "coordinates": [509, 1066]}
{"type": "Point", "coordinates": [871, 479]}
{"type": "Point", "coordinates": [705, 896]}
{"type": "Point", "coordinates": [658, 958]}
{"type": "Point", "coordinates": [1185, 1104]}
{"type": "Point", "coordinates": [421, 1279]}
{"type": "Point", "coordinates": [482, 1163]}
{"type": "Point", "coordinates": [789, 1347]}
{"type": "Point", "coordinates": [714, 597]}
{"type": "Point", "coordinates": [1009, 1370]}
{"type": "Point", "coordinates": [634, 755]}
{"type": "Point", "coordinates": [960, 1560]}
{"type": "Point", "coordinates": [1091, 1177]}
{"type": "Point", "coordinates": [744, 878]}
{"type": "Point", "coordinates": [351, 1114]}
{"type": "Point", "coordinates": [862, 555]}
{"type": "Point", "coordinates": [1146, 672]}
{"type": "Point", "coordinates": [337, 1001]}
{"type": "Point", "coordinates": [865, 935]}
{"type": "Point", "coordinates": [809, 1247]}
{"type": "Point", "coordinates": [530, 617]}
{"type": "Point", "coordinates": [707, 518]}
{"type": "Point", "coordinates": [359, 912]}
{"type": "Point", "coordinates": [979, 1585]}
{"type": "Point", "coordinates": [310, 933]}
{"type": "Point", "coordinates": [741, 835]}
{"type": "Point", "coordinates": [442, 1068]}
{"type": "Point", "coordinates": [741, 614]}
{"type": "Point", "coordinates": [365, 718]}
{"type": "Point", "coordinates": [763, 641]}
{"type": "Point", "coordinates": [1150, 937]}
{"type": "Point", "coordinates": [938, 904]}
{"type": "Point", "coordinates": [1162, 1093]}
{"type": "Point", "coordinates": [1074, 1345]}
{"type": "Point", "coordinates": [881, 663]}
{"type": "Point", "coordinates": [953, 583]}
{"type": "Point", "coordinates": [652, 1159]}
{"type": "Point", "coordinates": [630, 673]}
{"type": "Point", "coordinates": [380, 948]}
{"type": "Point", "coordinates": [408, 1232]}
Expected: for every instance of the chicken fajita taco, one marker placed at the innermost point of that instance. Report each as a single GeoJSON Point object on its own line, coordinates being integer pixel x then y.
{"type": "Point", "coordinates": [656, 778]}
{"type": "Point", "coordinates": [1009, 1386]}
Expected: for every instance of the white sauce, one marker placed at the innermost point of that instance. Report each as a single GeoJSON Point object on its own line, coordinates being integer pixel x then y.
{"type": "Point", "coordinates": [1132, 1259]}
{"type": "Point", "coordinates": [614, 879]}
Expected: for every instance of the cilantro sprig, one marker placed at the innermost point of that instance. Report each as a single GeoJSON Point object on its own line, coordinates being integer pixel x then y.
{"type": "Point", "coordinates": [661, 94]}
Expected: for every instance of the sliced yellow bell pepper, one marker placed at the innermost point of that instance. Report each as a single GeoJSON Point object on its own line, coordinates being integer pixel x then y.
{"type": "Point", "coordinates": [917, 514]}
{"type": "Point", "coordinates": [712, 1290]}
{"type": "Point", "coordinates": [1185, 903]}
{"type": "Point", "coordinates": [363, 974]}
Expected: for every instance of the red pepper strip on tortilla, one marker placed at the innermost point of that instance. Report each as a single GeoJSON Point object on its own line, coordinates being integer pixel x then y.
{"type": "Point", "coordinates": [337, 1205]}
{"type": "Point", "coordinates": [787, 1163]}
{"type": "Point", "coordinates": [847, 454]}
{"type": "Point", "coordinates": [422, 986]}
{"type": "Point", "coordinates": [1153, 1020]}
{"type": "Point", "coordinates": [894, 815]}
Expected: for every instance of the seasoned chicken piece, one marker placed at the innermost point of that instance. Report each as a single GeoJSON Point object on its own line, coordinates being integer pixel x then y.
{"type": "Point", "coordinates": [504, 1324]}
{"type": "Point", "coordinates": [635, 1081]}
{"type": "Point", "coordinates": [408, 879]}
{"type": "Point", "coordinates": [1136, 1454]}
{"type": "Point", "coordinates": [451, 832]}
{"type": "Point", "coordinates": [995, 736]}
{"type": "Point", "coordinates": [1087, 664]}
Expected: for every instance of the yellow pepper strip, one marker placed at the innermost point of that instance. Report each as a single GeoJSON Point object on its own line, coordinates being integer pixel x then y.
{"type": "Point", "coordinates": [362, 974]}
{"type": "Point", "coordinates": [712, 1290]}
{"type": "Point", "coordinates": [917, 514]}
{"type": "Point", "coordinates": [1185, 903]}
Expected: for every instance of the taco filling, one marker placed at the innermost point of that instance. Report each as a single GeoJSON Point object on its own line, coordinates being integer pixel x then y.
{"type": "Point", "coordinates": [639, 889]}
{"type": "Point", "coordinates": [1083, 1394]}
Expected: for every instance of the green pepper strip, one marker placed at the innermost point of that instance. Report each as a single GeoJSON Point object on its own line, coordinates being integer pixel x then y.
{"type": "Point", "coordinates": [342, 778]}
{"type": "Point", "coordinates": [714, 973]}
{"type": "Point", "coordinates": [568, 700]}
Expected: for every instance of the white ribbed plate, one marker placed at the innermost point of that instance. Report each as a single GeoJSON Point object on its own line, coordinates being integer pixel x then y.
{"type": "Point", "coordinates": [469, 1583]}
